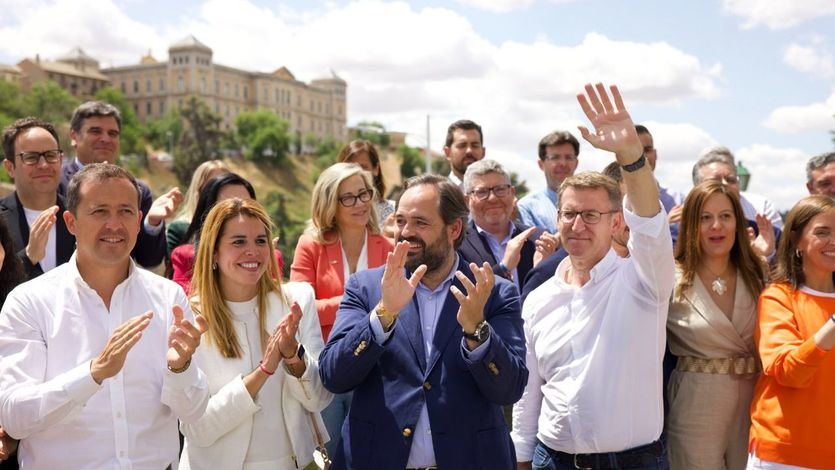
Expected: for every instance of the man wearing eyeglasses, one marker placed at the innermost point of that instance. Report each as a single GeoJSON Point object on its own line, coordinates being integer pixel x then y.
{"type": "Point", "coordinates": [33, 211]}
{"type": "Point", "coordinates": [558, 160]}
{"type": "Point", "coordinates": [595, 332]}
{"type": "Point", "coordinates": [95, 133]}
{"type": "Point", "coordinates": [491, 235]}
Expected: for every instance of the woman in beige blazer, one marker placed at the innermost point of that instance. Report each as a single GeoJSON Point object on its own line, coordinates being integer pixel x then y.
{"type": "Point", "coordinates": [710, 328]}
{"type": "Point", "coordinates": [266, 393]}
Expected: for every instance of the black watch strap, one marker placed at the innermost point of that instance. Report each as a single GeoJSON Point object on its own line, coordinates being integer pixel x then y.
{"type": "Point", "coordinates": [636, 165]}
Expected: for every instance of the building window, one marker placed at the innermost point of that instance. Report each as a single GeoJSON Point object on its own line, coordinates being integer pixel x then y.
{"type": "Point", "coordinates": [217, 108]}
{"type": "Point", "coordinates": [136, 86]}
{"type": "Point", "coordinates": [203, 85]}
{"type": "Point", "coordinates": [246, 92]}
{"type": "Point", "coordinates": [237, 90]}
{"type": "Point", "coordinates": [180, 83]}
{"type": "Point", "coordinates": [226, 87]}
{"type": "Point", "coordinates": [161, 84]}
{"type": "Point", "coordinates": [148, 86]}
{"type": "Point", "coordinates": [186, 59]}
{"type": "Point", "coordinates": [162, 107]}
{"type": "Point", "coordinates": [217, 87]}
{"type": "Point", "coordinates": [148, 110]}
{"type": "Point", "coordinates": [311, 106]}
{"type": "Point", "coordinates": [136, 108]}
{"type": "Point", "coordinates": [123, 88]}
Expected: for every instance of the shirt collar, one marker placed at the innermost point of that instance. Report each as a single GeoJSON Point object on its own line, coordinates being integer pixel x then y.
{"type": "Point", "coordinates": [75, 276]}
{"type": "Point", "coordinates": [599, 271]}
{"type": "Point", "coordinates": [488, 234]}
{"type": "Point", "coordinates": [552, 195]}
{"type": "Point", "coordinates": [446, 282]}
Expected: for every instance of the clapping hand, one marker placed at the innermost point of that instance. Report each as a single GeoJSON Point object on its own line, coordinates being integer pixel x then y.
{"type": "Point", "coordinates": [546, 245]}
{"type": "Point", "coordinates": [183, 338]}
{"type": "Point", "coordinates": [112, 358]}
{"type": "Point", "coordinates": [8, 445]}
{"type": "Point", "coordinates": [39, 234]}
{"type": "Point", "coordinates": [397, 290]}
{"type": "Point", "coordinates": [513, 252]}
{"type": "Point", "coordinates": [765, 242]}
{"type": "Point", "coordinates": [164, 206]}
{"type": "Point", "coordinates": [471, 310]}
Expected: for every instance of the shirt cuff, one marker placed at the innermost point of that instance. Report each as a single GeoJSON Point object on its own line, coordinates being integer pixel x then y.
{"type": "Point", "coordinates": [79, 384]}
{"type": "Point", "coordinates": [478, 353]}
{"type": "Point", "coordinates": [380, 336]}
{"type": "Point", "coordinates": [649, 226]}
{"type": "Point", "coordinates": [152, 230]}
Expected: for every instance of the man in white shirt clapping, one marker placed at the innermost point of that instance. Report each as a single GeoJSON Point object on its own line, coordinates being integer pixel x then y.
{"type": "Point", "coordinates": [95, 355]}
{"type": "Point", "coordinates": [595, 332]}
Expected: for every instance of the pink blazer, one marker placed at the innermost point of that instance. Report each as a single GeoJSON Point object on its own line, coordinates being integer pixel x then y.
{"type": "Point", "coordinates": [321, 266]}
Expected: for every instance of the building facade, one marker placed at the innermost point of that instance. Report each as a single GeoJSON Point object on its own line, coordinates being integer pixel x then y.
{"type": "Point", "coordinates": [76, 72]}
{"type": "Point", "coordinates": [154, 87]}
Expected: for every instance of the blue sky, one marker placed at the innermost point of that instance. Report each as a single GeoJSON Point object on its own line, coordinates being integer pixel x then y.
{"type": "Point", "coordinates": [754, 75]}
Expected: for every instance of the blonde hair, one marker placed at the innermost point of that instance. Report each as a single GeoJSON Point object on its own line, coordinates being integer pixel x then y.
{"type": "Point", "coordinates": [198, 180]}
{"type": "Point", "coordinates": [208, 298]}
{"type": "Point", "coordinates": [325, 201]}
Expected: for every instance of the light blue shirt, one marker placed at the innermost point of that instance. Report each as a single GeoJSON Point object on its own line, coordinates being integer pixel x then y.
{"type": "Point", "coordinates": [539, 209]}
{"type": "Point", "coordinates": [430, 304]}
{"type": "Point", "coordinates": [498, 247]}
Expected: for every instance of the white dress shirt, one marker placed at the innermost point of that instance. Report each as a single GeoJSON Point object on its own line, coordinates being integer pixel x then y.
{"type": "Point", "coordinates": [594, 352]}
{"type": "Point", "coordinates": [50, 329]}
{"type": "Point", "coordinates": [50, 256]}
{"type": "Point", "coordinates": [753, 204]}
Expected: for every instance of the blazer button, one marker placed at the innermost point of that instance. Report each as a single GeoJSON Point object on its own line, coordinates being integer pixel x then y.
{"type": "Point", "coordinates": [407, 432]}
{"type": "Point", "coordinates": [427, 385]}
{"type": "Point", "coordinates": [492, 367]}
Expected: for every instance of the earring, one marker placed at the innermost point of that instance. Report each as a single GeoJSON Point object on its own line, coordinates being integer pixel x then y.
{"type": "Point", "coordinates": [214, 266]}
{"type": "Point", "coordinates": [798, 253]}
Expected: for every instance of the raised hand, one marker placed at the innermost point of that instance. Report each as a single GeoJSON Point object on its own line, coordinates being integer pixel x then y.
{"type": "Point", "coordinates": [614, 130]}
{"type": "Point", "coordinates": [471, 310]}
{"type": "Point", "coordinates": [8, 446]}
{"type": "Point", "coordinates": [765, 242]}
{"type": "Point", "coordinates": [164, 206]}
{"type": "Point", "coordinates": [183, 338]}
{"type": "Point", "coordinates": [397, 290]}
{"type": "Point", "coordinates": [674, 216]}
{"type": "Point", "coordinates": [39, 234]}
{"type": "Point", "coordinates": [112, 358]}
{"type": "Point", "coordinates": [513, 252]}
{"type": "Point", "coordinates": [546, 245]}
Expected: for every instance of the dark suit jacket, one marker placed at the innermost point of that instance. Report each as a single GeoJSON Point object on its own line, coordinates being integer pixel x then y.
{"type": "Point", "coordinates": [542, 272]}
{"type": "Point", "coordinates": [12, 210]}
{"type": "Point", "coordinates": [150, 249]}
{"type": "Point", "coordinates": [475, 249]}
{"type": "Point", "coordinates": [392, 382]}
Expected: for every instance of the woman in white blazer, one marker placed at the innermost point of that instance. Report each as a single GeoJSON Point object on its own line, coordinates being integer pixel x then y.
{"type": "Point", "coordinates": [260, 353]}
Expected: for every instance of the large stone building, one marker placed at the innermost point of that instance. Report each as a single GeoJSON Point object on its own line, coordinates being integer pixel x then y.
{"type": "Point", "coordinates": [154, 87]}
{"type": "Point", "coordinates": [76, 72]}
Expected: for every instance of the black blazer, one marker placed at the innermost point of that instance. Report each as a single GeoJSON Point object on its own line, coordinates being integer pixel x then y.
{"type": "Point", "coordinates": [150, 249]}
{"type": "Point", "coordinates": [12, 211]}
{"type": "Point", "coordinates": [475, 249]}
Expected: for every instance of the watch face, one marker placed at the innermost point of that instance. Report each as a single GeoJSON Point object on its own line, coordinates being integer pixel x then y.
{"type": "Point", "coordinates": [482, 331]}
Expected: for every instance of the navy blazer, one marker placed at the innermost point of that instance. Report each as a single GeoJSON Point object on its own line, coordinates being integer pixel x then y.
{"type": "Point", "coordinates": [12, 211]}
{"type": "Point", "coordinates": [392, 382]}
{"type": "Point", "coordinates": [150, 249]}
{"type": "Point", "coordinates": [475, 249]}
{"type": "Point", "coordinates": [542, 272]}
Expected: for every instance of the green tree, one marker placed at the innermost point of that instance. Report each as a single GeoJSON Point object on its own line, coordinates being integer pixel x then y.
{"type": "Point", "coordinates": [264, 135]}
{"type": "Point", "coordinates": [132, 129]}
{"type": "Point", "coordinates": [411, 161]}
{"type": "Point", "coordinates": [199, 140]}
{"type": "Point", "coordinates": [166, 131]}
{"type": "Point", "coordinates": [11, 103]}
{"type": "Point", "coordinates": [520, 185]}
{"type": "Point", "coordinates": [48, 101]}
{"type": "Point", "coordinates": [374, 132]}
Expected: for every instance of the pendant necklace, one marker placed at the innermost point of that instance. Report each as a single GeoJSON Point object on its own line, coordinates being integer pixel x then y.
{"type": "Point", "coordinates": [719, 285]}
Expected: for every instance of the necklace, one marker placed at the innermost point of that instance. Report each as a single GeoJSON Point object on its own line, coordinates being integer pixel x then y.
{"type": "Point", "coordinates": [719, 284]}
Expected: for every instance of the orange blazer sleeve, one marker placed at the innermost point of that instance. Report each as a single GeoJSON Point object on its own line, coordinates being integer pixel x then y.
{"type": "Point", "coordinates": [786, 354]}
{"type": "Point", "coordinates": [312, 265]}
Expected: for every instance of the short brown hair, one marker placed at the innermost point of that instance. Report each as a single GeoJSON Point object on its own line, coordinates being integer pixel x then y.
{"type": "Point", "coordinates": [558, 138]}
{"type": "Point", "coordinates": [94, 109]}
{"type": "Point", "coordinates": [97, 172]}
{"type": "Point", "coordinates": [451, 203]}
{"type": "Point", "coordinates": [13, 130]}
{"type": "Point", "coordinates": [789, 266]}
{"type": "Point", "coordinates": [592, 180]}
{"type": "Point", "coordinates": [463, 124]}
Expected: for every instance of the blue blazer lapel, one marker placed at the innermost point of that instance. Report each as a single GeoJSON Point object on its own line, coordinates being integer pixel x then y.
{"type": "Point", "coordinates": [409, 320]}
{"type": "Point", "coordinates": [448, 321]}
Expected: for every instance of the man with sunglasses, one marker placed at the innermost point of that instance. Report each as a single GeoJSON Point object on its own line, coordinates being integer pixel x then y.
{"type": "Point", "coordinates": [558, 153]}
{"type": "Point", "coordinates": [595, 332]}
{"type": "Point", "coordinates": [32, 156]}
{"type": "Point", "coordinates": [491, 235]}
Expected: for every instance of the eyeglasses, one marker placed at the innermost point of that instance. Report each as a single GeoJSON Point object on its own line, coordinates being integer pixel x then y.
{"type": "Point", "coordinates": [32, 158]}
{"type": "Point", "coordinates": [590, 216]}
{"type": "Point", "coordinates": [500, 191]}
{"type": "Point", "coordinates": [558, 158]}
{"type": "Point", "coordinates": [350, 200]}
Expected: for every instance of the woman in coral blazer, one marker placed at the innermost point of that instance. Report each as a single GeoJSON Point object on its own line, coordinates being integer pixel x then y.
{"type": "Point", "coordinates": [343, 237]}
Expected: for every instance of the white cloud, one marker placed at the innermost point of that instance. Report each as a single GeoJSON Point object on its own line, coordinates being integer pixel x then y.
{"type": "Point", "coordinates": [776, 173]}
{"type": "Point", "coordinates": [815, 117]}
{"type": "Point", "coordinates": [498, 6]}
{"type": "Point", "coordinates": [778, 14]}
{"type": "Point", "coordinates": [813, 59]}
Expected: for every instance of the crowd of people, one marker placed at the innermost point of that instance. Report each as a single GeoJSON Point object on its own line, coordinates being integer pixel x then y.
{"type": "Point", "coordinates": [605, 321]}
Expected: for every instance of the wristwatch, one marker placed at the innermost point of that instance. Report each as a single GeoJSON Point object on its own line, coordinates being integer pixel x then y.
{"type": "Point", "coordinates": [636, 165]}
{"type": "Point", "coordinates": [481, 333]}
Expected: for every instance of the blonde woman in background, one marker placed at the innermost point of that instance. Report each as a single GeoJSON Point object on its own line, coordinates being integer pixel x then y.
{"type": "Point", "coordinates": [260, 354]}
{"type": "Point", "coordinates": [343, 237]}
{"type": "Point", "coordinates": [176, 231]}
{"type": "Point", "coordinates": [711, 324]}
{"type": "Point", "coordinates": [364, 154]}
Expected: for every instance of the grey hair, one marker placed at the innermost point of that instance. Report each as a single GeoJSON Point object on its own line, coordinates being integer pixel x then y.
{"type": "Point", "coordinates": [818, 161]}
{"type": "Point", "coordinates": [480, 168]}
{"type": "Point", "coordinates": [713, 155]}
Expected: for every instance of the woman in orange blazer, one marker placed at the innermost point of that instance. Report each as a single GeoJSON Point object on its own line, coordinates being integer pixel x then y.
{"type": "Point", "coordinates": [343, 237]}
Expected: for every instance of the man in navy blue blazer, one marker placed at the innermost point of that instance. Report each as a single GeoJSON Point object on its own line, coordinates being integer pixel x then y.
{"type": "Point", "coordinates": [432, 347]}
{"type": "Point", "coordinates": [95, 133]}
